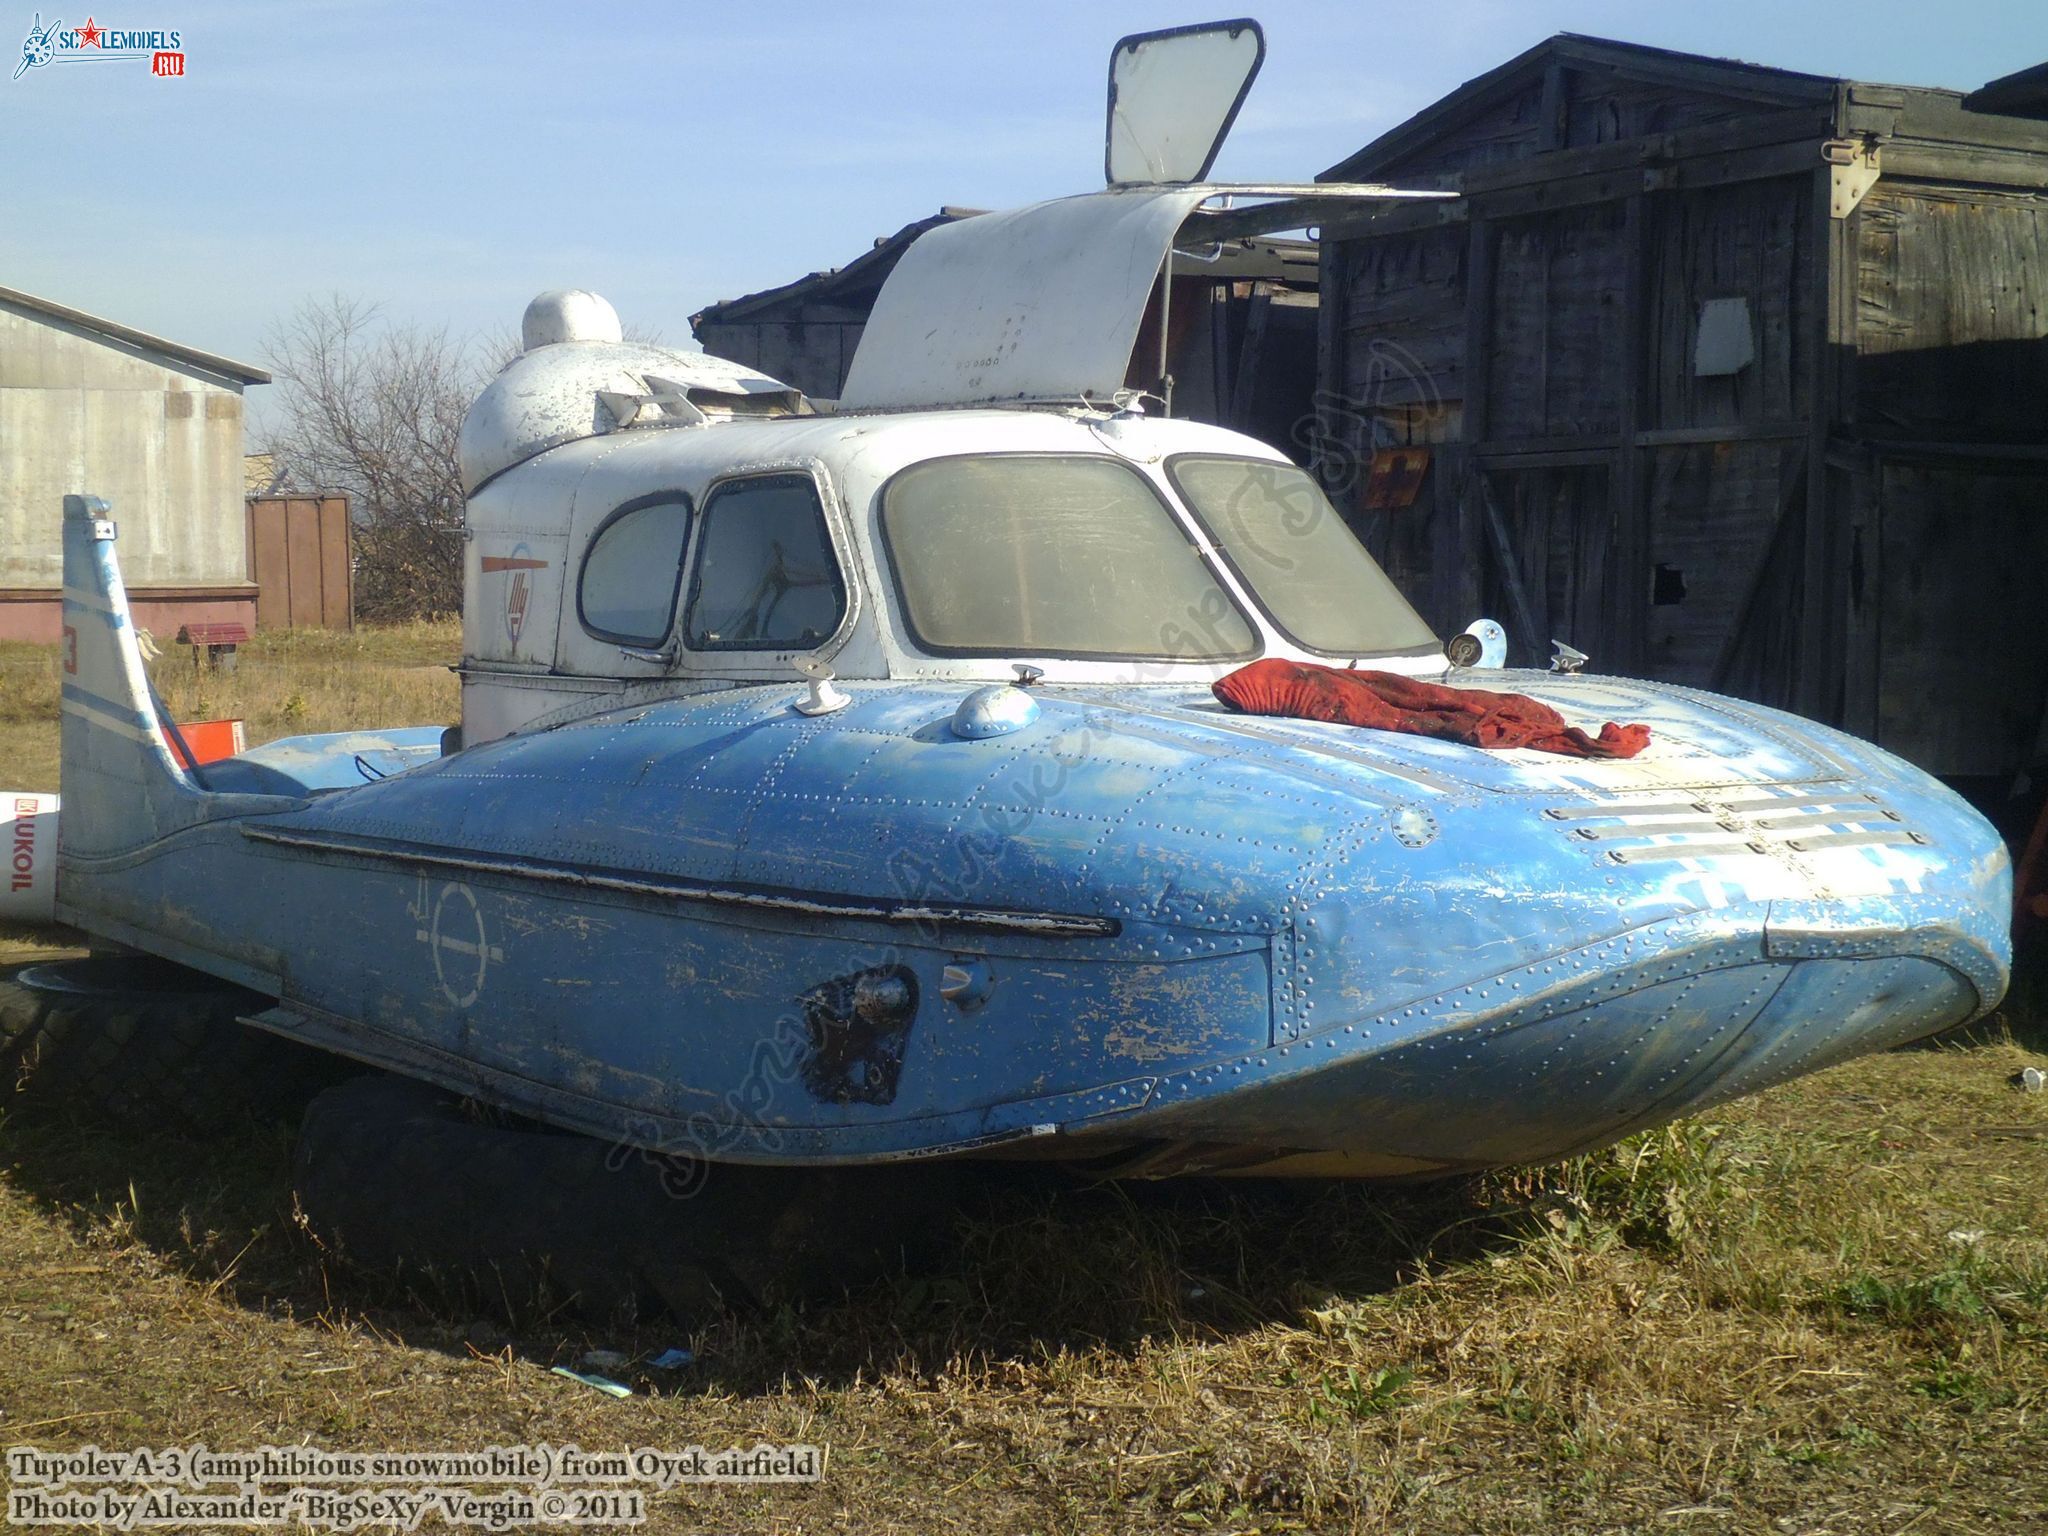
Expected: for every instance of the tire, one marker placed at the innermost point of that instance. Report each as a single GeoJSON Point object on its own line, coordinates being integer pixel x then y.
{"type": "Point", "coordinates": [135, 1040]}
{"type": "Point", "coordinates": [398, 1178]}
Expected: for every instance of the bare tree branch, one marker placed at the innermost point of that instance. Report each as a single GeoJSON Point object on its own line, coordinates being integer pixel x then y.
{"type": "Point", "coordinates": [373, 409]}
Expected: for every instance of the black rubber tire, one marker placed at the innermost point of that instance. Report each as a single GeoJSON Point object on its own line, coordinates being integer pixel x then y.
{"type": "Point", "coordinates": [396, 1177]}
{"type": "Point", "coordinates": [141, 1041]}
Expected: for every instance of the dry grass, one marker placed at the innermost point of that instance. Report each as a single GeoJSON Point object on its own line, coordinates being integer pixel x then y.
{"type": "Point", "coordinates": [284, 683]}
{"type": "Point", "coordinates": [1824, 1310]}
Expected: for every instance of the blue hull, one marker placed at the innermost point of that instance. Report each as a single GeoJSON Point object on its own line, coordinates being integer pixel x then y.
{"type": "Point", "coordinates": [1191, 940]}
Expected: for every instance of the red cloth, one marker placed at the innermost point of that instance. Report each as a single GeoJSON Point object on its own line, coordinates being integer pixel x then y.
{"type": "Point", "coordinates": [1385, 701]}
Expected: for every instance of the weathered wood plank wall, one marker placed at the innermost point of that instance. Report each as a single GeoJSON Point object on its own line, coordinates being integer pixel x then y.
{"type": "Point", "coordinates": [1849, 520]}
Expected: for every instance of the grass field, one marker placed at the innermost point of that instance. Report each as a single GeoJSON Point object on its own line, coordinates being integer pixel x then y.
{"type": "Point", "coordinates": [284, 683]}
{"type": "Point", "coordinates": [1824, 1310]}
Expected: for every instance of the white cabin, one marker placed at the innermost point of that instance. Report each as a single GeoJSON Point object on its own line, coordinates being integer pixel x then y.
{"type": "Point", "coordinates": [679, 551]}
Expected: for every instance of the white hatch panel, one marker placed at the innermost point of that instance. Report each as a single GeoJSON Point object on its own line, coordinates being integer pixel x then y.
{"type": "Point", "coordinates": [1041, 303]}
{"type": "Point", "coordinates": [1173, 96]}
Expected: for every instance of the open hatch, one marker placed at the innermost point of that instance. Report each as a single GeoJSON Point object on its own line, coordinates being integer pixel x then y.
{"type": "Point", "coordinates": [1042, 304]}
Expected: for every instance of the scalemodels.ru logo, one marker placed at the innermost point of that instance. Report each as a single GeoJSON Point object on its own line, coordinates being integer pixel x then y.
{"type": "Point", "coordinates": [92, 43]}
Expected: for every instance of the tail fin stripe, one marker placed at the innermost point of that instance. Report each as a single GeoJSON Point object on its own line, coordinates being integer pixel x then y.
{"type": "Point", "coordinates": [93, 603]}
{"type": "Point", "coordinates": [123, 787]}
{"type": "Point", "coordinates": [110, 712]}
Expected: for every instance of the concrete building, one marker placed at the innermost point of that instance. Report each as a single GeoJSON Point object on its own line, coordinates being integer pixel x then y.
{"type": "Point", "coordinates": [156, 428]}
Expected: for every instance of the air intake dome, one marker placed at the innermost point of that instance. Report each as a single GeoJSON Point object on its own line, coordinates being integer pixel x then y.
{"type": "Point", "coordinates": [568, 314]}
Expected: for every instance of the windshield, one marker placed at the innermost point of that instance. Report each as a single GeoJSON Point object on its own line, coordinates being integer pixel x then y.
{"type": "Point", "coordinates": [1052, 555]}
{"type": "Point", "coordinates": [1307, 569]}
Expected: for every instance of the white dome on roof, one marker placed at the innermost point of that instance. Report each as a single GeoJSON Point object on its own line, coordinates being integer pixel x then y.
{"type": "Point", "coordinates": [568, 314]}
{"type": "Point", "coordinates": [557, 392]}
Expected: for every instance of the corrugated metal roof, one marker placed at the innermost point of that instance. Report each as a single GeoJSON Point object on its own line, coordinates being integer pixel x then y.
{"type": "Point", "coordinates": [127, 335]}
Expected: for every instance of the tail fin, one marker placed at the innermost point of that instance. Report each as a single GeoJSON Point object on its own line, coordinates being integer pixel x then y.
{"type": "Point", "coordinates": [122, 788]}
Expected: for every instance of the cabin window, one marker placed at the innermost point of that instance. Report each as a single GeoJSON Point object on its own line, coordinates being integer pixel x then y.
{"type": "Point", "coordinates": [627, 591]}
{"type": "Point", "coordinates": [1051, 555]}
{"type": "Point", "coordinates": [1282, 537]}
{"type": "Point", "coordinates": [766, 577]}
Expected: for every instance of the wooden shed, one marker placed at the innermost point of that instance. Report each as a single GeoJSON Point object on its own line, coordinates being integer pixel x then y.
{"type": "Point", "coordinates": [804, 333]}
{"type": "Point", "coordinates": [1730, 376]}
{"type": "Point", "coordinates": [1242, 323]}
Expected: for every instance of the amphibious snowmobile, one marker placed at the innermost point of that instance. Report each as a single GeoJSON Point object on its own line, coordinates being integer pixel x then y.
{"type": "Point", "coordinates": [849, 786]}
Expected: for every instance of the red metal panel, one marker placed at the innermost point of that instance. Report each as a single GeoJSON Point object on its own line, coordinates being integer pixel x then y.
{"type": "Point", "coordinates": [337, 585]}
{"type": "Point", "coordinates": [272, 565]}
{"type": "Point", "coordinates": [210, 741]}
{"type": "Point", "coordinates": [302, 545]}
{"type": "Point", "coordinates": [299, 556]}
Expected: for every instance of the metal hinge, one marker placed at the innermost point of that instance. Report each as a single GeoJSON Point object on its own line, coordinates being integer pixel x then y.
{"type": "Point", "coordinates": [1852, 171]}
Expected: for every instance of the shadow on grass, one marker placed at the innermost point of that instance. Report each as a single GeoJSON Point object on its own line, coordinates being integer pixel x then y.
{"type": "Point", "coordinates": [1005, 1262]}
{"type": "Point", "coordinates": [1020, 1262]}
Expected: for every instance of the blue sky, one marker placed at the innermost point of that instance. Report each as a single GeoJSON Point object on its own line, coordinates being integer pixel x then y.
{"type": "Point", "coordinates": [449, 160]}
